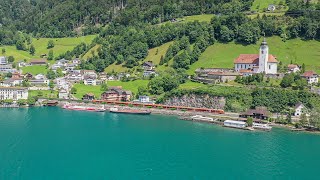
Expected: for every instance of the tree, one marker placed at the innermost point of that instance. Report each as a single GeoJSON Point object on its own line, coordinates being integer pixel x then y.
{"type": "Point", "coordinates": [304, 120]}
{"type": "Point", "coordinates": [11, 59]}
{"type": "Point", "coordinates": [32, 50]}
{"type": "Point", "coordinates": [50, 44]}
{"type": "Point", "coordinates": [303, 68]}
{"type": "Point", "coordinates": [51, 85]}
{"type": "Point", "coordinates": [50, 55]}
{"type": "Point", "coordinates": [181, 61]}
{"type": "Point", "coordinates": [104, 87]}
{"type": "Point", "coordinates": [9, 75]}
{"type": "Point", "coordinates": [250, 121]}
{"type": "Point", "coordinates": [3, 50]}
{"type": "Point", "coordinates": [21, 102]}
{"type": "Point", "coordinates": [287, 80]}
{"type": "Point", "coordinates": [226, 35]}
{"type": "Point", "coordinates": [31, 101]}
{"type": "Point", "coordinates": [51, 74]}
{"type": "Point", "coordinates": [73, 90]}
{"type": "Point", "coordinates": [142, 91]}
{"type": "Point", "coordinates": [59, 72]}
{"type": "Point", "coordinates": [20, 45]}
{"type": "Point", "coordinates": [314, 119]}
{"type": "Point", "coordinates": [289, 118]}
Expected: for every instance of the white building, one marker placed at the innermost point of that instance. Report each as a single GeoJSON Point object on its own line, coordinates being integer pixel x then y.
{"type": "Point", "coordinates": [90, 77]}
{"type": "Point", "coordinates": [257, 63]}
{"type": "Point", "coordinates": [311, 77]}
{"type": "Point", "coordinates": [293, 68]}
{"type": "Point", "coordinates": [63, 94]}
{"type": "Point", "coordinates": [3, 60]}
{"type": "Point", "coordinates": [234, 124]}
{"type": "Point", "coordinates": [298, 109]}
{"type": "Point", "coordinates": [13, 93]}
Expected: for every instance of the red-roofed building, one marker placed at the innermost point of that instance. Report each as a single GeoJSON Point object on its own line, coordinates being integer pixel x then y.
{"type": "Point", "coordinates": [293, 68]}
{"type": "Point", "coordinates": [257, 63]}
{"type": "Point", "coordinates": [311, 76]}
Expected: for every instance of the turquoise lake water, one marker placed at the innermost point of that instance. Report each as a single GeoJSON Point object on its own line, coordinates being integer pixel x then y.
{"type": "Point", "coordinates": [52, 143]}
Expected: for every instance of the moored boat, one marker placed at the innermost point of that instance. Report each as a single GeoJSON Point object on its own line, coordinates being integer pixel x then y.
{"type": "Point", "coordinates": [83, 108]}
{"type": "Point", "coordinates": [129, 111]}
{"type": "Point", "coordinates": [264, 127]}
{"type": "Point", "coordinates": [201, 118]}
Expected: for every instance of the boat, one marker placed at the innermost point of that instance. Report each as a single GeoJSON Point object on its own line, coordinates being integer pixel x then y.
{"type": "Point", "coordinates": [83, 108]}
{"type": "Point", "coordinates": [235, 124]}
{"type": "Point", "coordinates": [264, 127]}
{"type": "Point", "coordinates": [129, 111]}
{"type": "Point", "coordinates": [201, 118]}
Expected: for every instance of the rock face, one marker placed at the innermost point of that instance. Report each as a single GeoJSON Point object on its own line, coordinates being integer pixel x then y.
{"type": "Point", "coordinates": [199, 101]}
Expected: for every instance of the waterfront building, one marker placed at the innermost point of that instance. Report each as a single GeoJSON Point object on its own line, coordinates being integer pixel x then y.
{"type": "Point", "coordinates": [257, 63]}
{"type": "Point", "coordinates": [144, 99]}
{"type": "Point", "coordinates": [311, 77]}
{"type": "Point", "coordinates": [260, 113]}
{"type": "Point", "coordinates": [298, 109]}
{"type": "Point", "coordinates": [116, 94]}
{"type": "Point", "coordinates": [14, 93]}
{"type": "Point", "coordinates": [234, 124]}
{"type": "Point", "coordinates": [63, 94]}
{"type": "Point", "coordinates": [88, 97]}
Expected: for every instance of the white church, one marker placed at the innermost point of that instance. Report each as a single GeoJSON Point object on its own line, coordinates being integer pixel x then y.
{"type": "Point", "coordinates": [257, 63]}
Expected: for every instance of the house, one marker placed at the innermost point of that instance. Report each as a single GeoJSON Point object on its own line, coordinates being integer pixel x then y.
{"type": "Point", "coordinates": [11, 82]}
{"type": "Point", "coordinates": [3, 60]}
{"type": "Point", "coordinates": [311, 77]}
{"type": "Point", "coordinates": [271, 7]}
{"type": "Point", "coordinates": [39, 80]}
{"type": "Point", "coordinates": [258, 63]}
{"type": "Point", "coordinates": [148, 66]}
{"type": "Point", "coordinates": [38, 62]}
{"type": "Point", "coordinates": [16, 75]}
{"type": "Point", "coordinates": [88, 97]}
{"type": "Point", "coordinates": [76, 61]}
{"type": "Point", "coordinates": [260, 113]}
{"type": "Point", "coordinates": [144, 99]}
{"type": "Point", "coordinates": [62, 83]}
{"type": "Point", "coordinates": [13, 93]}
{"type": "Point", "coordinates": [90, 77]}
{"type": "Point", "coordinates": [148, 73]}
{"type": "Point", "coordinates": [116, 94]}
{"type": "Point", "coordinates": [298, 109]}
{"type": "Point", "coordinates": [70, 67]}
{"type": "Point", "coordinates": [28, 76]}
{"type": "Point", "coordinates": [63, 94]}
{"type": "Point", "coordinates": [74, 76]}
{"type": "Point", "coordinates": [103, 76]}
{"type": "Point", "coordinates": [7, 68]}
{"type": "Point", "coordinates": [22, 64]}
{"type": "Point", "coordinates": [293, 68]}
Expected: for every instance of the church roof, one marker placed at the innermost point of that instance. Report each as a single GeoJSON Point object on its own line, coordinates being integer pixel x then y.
{"type": "Point", "coordinates": [253, 59]}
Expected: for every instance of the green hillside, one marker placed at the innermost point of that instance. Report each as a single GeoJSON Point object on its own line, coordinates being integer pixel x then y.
{"type": "Point", "coordinates": [261, 5]}
{"type": "Point", "coordinates": [61, 46]}
{"type": "Point", "coordinates": [296, 50]}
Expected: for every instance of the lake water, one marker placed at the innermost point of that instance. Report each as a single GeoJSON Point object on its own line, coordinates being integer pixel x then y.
{"type": "Point", "coordinates": [52, 143]}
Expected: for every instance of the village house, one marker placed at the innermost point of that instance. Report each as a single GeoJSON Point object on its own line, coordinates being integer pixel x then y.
{"type": "Point", "coordinates": [39, 80]}
{"type": "Point", "coordinates": [13, 93]}
{"type": "Point", "coordinates": [3, 60]}
{"type": "Point", "coordinates": [90, 77]}
{"type": "Point", "coordinates": [103, 76]}
{"type": "Point", "coordinates": [144, 99]}
{"type": "Point", "coordinates": [11, 82]}
{"type": "Point", "coordinates": [27, 76]}
{"type": "Point", "coordinates": [116, 94]}
{"type": "Point", "coordinates": [298, 109]}
{"type": "Point", "coordinates": [70, 67]}
{"type": "Point", "coordinates": [63, 94]}
{"type": "Point", "coordinates": [7, 69]}
{"type": "Point", "coordinates": [148, 73]}
{"type": "Point", "coordinates": [311, 77]}
{"type": "Point", "coordinates": [293, 68]}
{"type": "Point", "coordinates": [22, 64]}
{"type": "Point", "coordinates": [38, 62]}
{"type": "Point", "coordinates": [88, 97]}
{"type": "Point", "coordinates": [74, 76]}
{"type": "Point", "coordinates": [214, 75]}
{"type": "Point", "coordinates": [257, 63]}
{"type": "Point", "coordinates": [271, 7]}
{"type": "Point", "coordinates": [62, 83]}
{"type": "Point", "coordinates": [148, 66]}
{"type": "Point", "coordinates": [260, 113]}
{"type": "Point", "coordinates": [76, 61]}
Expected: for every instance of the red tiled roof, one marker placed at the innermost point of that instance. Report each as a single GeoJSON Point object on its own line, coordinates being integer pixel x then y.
{"type": "Point", "coordinates": [252, 59]}
{"type": "Point", "coordinates": [246, 71]}
{"type": "Point", "coordinates": [292, 66]}
{"type": "Point", "coordinates": [309, 74]}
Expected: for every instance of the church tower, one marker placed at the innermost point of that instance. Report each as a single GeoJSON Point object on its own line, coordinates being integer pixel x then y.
{"type": "Point", "coordinates": [263, 57]}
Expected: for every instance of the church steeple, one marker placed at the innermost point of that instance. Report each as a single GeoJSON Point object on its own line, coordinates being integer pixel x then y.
{"type": "Point", "coordinates": [263, 57]}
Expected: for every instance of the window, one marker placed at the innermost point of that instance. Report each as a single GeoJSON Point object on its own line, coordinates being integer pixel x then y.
{"type": "Point", "coordinates": [269, 66]}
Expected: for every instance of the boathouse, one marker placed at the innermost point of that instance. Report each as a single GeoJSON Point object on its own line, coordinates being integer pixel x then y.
{"type": "Point", "coordinates": [260, 113]}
